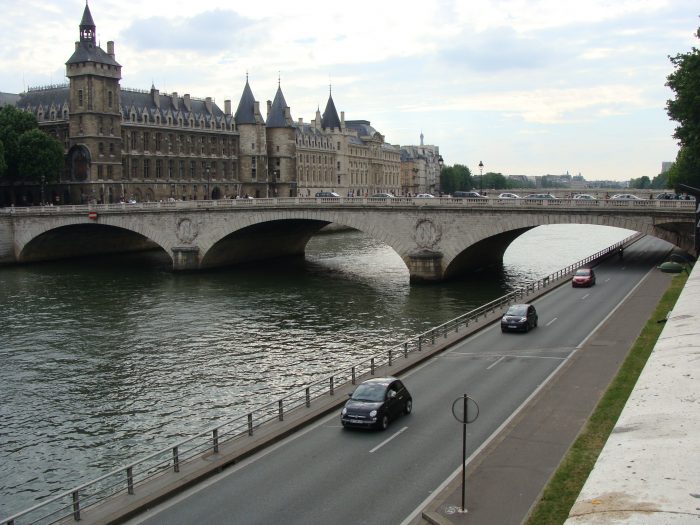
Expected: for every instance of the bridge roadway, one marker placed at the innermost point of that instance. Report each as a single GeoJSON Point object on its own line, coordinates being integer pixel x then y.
{"type": "Point", "coordinates": [325, 474]}
{"type": "Point", "coordinates": [436, 238]}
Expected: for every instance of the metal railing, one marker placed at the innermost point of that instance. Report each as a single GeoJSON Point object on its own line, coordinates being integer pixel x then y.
{"type": "Point", "coordinates": [401, 202]}
{"type": "Point", "coordinates": [127, 478]}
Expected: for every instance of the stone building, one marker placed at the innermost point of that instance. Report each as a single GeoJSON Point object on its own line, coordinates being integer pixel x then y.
{"type": "Point", "coordinates": [420, 169]}
{"type": "Point", "coordinates": [124, 144]}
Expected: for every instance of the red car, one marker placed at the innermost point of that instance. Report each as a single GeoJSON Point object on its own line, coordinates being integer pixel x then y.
{"type": "Point", "coordinates": [583, 277]}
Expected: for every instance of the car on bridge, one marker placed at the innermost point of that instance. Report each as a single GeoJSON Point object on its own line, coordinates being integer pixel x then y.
{"type": "Point", "coordinates": [625, 197]}
{"type": "Point", "coordinates": [381, 196]}
{"type": "Point", "coordinates": [520, 318]}
{"type": "Point", "coordinates": [376, 402]}
{"type": "Point", "coordinates": [425, 196]}
{"type": "Point", "coordinates": [584, 197]}
{"type": "Point", "coordinates": [583, 277]}
{"type": "Point", "coordinates": [467, 195]}
{"type": "Point", "coordinates": [540, 196]}
{"type": "Point", "coordinates": [331, 194]}
{"type": "Point", "coordinates": [508, 196]}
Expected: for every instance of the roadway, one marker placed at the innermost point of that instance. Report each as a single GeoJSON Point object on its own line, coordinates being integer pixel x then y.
{"type": "Point", "coordinates": [326, 474]}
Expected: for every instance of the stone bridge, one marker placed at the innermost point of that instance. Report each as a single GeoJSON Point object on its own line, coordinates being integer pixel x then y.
{"type": "Point", "coordinates": [436, 238]}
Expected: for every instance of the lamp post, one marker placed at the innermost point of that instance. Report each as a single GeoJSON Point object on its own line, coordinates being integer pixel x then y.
{"type": "Point", "coordinates": [43, 180]}
{"type": "Point", "coordinates": [208, 170]}
{"type": "Point", "coordinates": [481, 177]}
{"type": "Point", "coordinates": [441, 163]}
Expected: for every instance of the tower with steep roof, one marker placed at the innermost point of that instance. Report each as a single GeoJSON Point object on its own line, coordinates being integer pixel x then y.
{"type": "Point", "coordinates": [281, 147]}
{"type": "Point", "coordinates": [253, 143]}
{"type": "Point", "coordinates": [95, 121]}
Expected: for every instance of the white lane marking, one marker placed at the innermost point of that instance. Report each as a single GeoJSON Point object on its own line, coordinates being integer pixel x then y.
{"type": "Point", "coordinates": [438, 490]}
{"type": "Point", "coordinates": [552, 321]}
{"type": "Point", "coordinates": [495, 363]}
{"type": "Point", "coordinates": [585, 296]}
{"type": "Point", "coordinates": [387, 440]}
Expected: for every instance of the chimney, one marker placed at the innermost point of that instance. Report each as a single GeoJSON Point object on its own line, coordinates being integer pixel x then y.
{"type": "Point", "coordinates": [186, 102]}
{"type": "Point", "coordinates": [256, 108]}
{"type": "Point", "coordinates": [110, 48]}
{"type": "Point", "coordinates": [301, 121]}
{"type": "Point", "coordinates": [176, 101]}
{"type": "Point", "coordinates": [207, 104]}
{"type": "Point", "coordinates": [227, 107]}
{"type": "Point", "coordinates": [77, 46]}
{"type": "Point", "coordinates": [287, 115]}
{"type": "Point", "coordinates": [156, 97]}
{"type": "Point", "coordinates": [342, 119]}
{"type": "Point", "coordinates": [269, 108]}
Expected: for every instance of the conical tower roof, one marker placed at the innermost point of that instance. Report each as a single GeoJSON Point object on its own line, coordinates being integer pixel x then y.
{"type": "Point", "coordinates": [330, 115]}
{"type": "Point", "coordinates": [245, 114]}
{"type": "Point", "coordinates": [277, 117]}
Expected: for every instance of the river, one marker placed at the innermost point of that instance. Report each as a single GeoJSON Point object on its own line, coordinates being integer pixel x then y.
{"type": "Point", "coordinates": [107, 359]}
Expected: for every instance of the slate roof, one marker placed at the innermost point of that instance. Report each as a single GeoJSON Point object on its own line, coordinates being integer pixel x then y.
{"type": "Point", "coordinates": [143, 104]}
{"type": "Point", "coordinates": [245, 114]}
{"type": "Point", "coordinates": [44, 98]}
{"type": "Point", "coordinates": [362, 127]}
{"type": "Point", "coordinates": [277, 117]}
{"type": "Point", "coordinates": [330, 115]}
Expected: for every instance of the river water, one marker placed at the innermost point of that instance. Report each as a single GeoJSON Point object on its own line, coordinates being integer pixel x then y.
{"type": "Point", "coordinates": [105, 360]}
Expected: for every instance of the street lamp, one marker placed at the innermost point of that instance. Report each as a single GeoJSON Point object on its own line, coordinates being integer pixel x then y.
{"type": "Point", "coordinates": [481, 176]}
{"type": "Point", "coordinates": [441, 163]}
{"type": "Point", "coordinates": [208, 170]}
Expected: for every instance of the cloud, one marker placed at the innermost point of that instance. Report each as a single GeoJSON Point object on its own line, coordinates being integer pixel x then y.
{"type": "Point", "coordinates": [206, 32]}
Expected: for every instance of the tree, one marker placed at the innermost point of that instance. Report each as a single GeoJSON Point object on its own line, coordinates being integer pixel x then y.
{"type": "Point", "coordinates": [660, 182]}
{"type": "Point", "coordinates": [40, 157]}
{"type": "Point", "coordinates": [457, 177]}
{"type": "Point", "coordinates": [685, 109]}
{"type": "Point", "coordinates": [3, 163]}
{"type": "Point", "coordinates": [642, 183]}
{"type": "Point", "coordinates": [495, 181]}
{"type": "Point", "coordinates": [14, 122]}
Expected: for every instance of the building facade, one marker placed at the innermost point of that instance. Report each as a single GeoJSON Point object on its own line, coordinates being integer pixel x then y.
{"type": "Point", "coordinates": [420, 169]}
{"type": "Point", "coordinates": [123, 144]}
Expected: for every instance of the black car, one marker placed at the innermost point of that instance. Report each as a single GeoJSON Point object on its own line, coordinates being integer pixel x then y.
{"type": "Point", "coordinates": [519, 317]}
{"type": "Point", "coordinates": [375, 402]}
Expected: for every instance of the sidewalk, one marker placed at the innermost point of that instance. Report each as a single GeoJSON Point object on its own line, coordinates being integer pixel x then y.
{"type": "Point", "coordinates": [507, 477]}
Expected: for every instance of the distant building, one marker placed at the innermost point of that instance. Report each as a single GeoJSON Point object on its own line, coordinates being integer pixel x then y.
{"type": "Point", "coordinates": [420, 169]}
{"type": "Point", "coordinates": [666, 166]}
{"type": "Point", "coordinates": [145, 145]}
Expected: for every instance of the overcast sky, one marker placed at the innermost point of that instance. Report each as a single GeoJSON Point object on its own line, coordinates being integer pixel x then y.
{"type": "Point", "coordinates": [528, 87]}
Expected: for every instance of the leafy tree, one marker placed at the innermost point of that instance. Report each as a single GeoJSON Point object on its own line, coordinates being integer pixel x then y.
{"type": "Point", "coordinates": [3, 163]}
{"type": "Point", "coordinates": [642, 183]}
{"type": "Point", "coordinates": [457, 177]}
{"type": "Point", "coordinates": [14, 122]}
{"type": "Point", "coordinates": [495, 181]}
{"type": "Point", "coordinates": [685, 109]}
{"type": "Point", "coordinates": [660, 182]}
{"type": "Point", "coordinates": [39, 156]}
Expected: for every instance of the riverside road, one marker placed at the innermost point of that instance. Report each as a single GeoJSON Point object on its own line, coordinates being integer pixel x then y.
{"type": "Point", "coordinates": [325, 474]}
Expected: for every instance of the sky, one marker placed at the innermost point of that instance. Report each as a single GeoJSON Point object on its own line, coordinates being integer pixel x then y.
{"type": "Point", "coordinates": [528, 87]}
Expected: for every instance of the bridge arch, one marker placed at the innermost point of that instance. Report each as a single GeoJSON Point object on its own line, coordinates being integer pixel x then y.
{"type": "Point", "coordinates": [284, 234]}
{"type": "Point", "coordinates": [73, 237]}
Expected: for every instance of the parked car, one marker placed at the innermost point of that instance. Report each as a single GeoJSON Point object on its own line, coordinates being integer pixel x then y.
{"type": "Point", "coordinates": [540, 196]}
{"type": "Point", "coordinates": [625, 197]}
{"type": "Point", "coordinates": [327, 194]}
{"type": "Point", "coordinates": [376, 402]}
{"type": "Point", "coordinates": [425, 196]}
{"type": "Point", "coordinates": [467, 195]}
{"type": "Point", "coordinates": [519, 317]}
{"type": "Point", "coordinates": [585, 197]}
{"type": "Point", "coordinates": [508, 196]}
{"type": "Point", "coordinates": [583, 277]}
{"type": "Point", "coordinates": [381, 196]}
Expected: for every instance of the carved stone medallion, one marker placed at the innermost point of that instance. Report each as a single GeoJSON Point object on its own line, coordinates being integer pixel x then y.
{"type": "Point", "coordinates": [427, 234]}
{"type": "Point", "coordinates": [187, 230]}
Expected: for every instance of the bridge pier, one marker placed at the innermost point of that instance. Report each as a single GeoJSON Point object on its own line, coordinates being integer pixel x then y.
{"type": "Point", "coordinates": [425, 266]}
{"type": "Point", "coordinates": [185, 258]}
